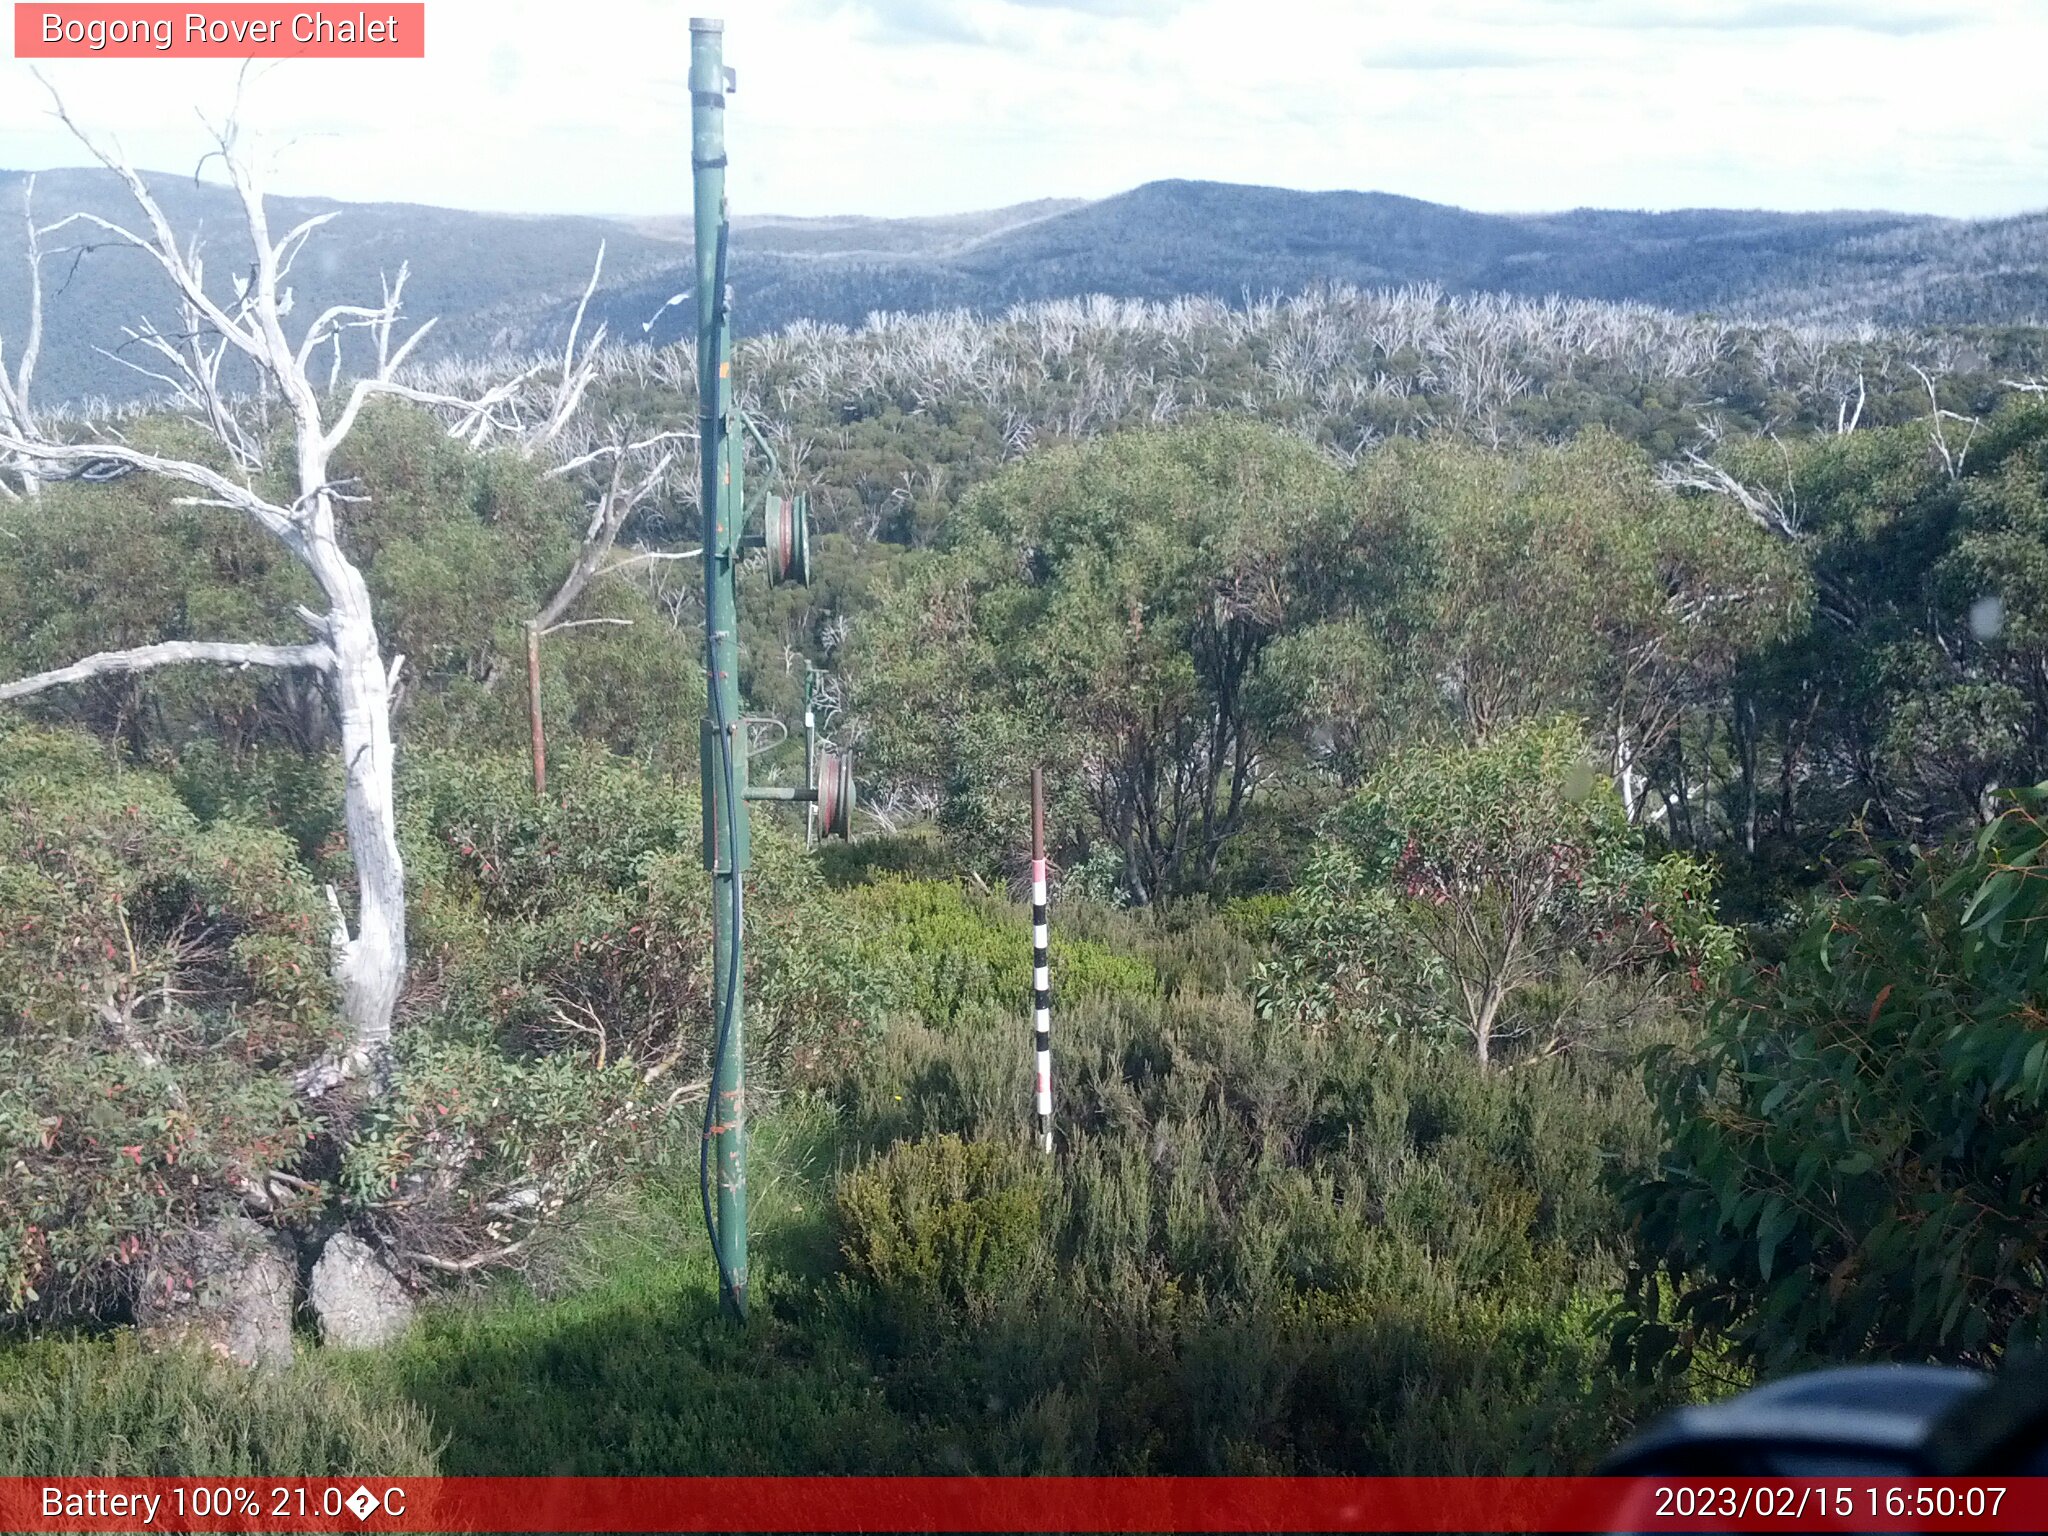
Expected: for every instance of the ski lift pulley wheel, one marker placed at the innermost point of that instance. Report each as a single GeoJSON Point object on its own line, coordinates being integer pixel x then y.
{"type": "Point", "coordinates": [835, 795]}
{"type": "Point", "coordinates": [788, 540]}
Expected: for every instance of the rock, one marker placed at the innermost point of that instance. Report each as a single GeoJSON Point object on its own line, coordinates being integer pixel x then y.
{"type": "Point", "coordinates": [228, 1287]}
{"type": "Point", "coordinates": [359, 1302]}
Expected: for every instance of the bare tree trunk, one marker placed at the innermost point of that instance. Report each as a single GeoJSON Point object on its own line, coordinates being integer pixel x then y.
{"type": "Point", "coordinates": [1482, 1027]}
{"type": "Point", "coordinates": [1745, 747]}
{"type": "Point", "coordinates": [373, 965]}
{"type": "Point", "coordinates": [540, 742]}
{"type": "Point", "coordinates": [15, 412]}
{"type": "Point", "coordinates": [1626, 777]}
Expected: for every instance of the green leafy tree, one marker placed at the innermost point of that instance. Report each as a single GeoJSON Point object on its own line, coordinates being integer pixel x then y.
{"type": "Point", "coordinates": [1464, 877]}
{"type": "Point", "coordinates": [1566, 579]}
{"type": "Point", "coordinates": [1106, 609]}
{"type": "Point", "coordinates": [1917, 686]}
{"type": "Point", "coordinates": [1858, 1150]}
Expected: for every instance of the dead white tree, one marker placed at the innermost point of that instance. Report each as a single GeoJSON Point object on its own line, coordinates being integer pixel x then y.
{"type": "Point", "coordinates": [1845, 418]}
{"type": "Point", "coordinates": [622, 496]}
{"type": "Point", "coordinates": [345, 650]}
{"type": "Point", "coordinates": [1952, 457]}
{"type": "Point", "coordinates": [15, 413]}
{"type": "Point", "coordinates": [578, 370]}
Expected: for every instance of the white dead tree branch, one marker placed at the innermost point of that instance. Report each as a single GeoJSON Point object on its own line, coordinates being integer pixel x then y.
{"type": "Point", "coordinates": [1952, 458]}
{"type": "Point", "coordinates": [1845, 418]}
{"type": "Point", "coordinates": [143, 658]}
{"type": "Point", "coordinates": [623, 495]}
{"type": "Point", "coordinates": [1774, 511]}
{"type": "Point", "coordinates": [577, 372]}
{"type": "Point", "coordinates": [15, 413]}
{"type": "Point", "coordinates": [194, 355]}
{"type": "Point", "coordinates": [250, 325]}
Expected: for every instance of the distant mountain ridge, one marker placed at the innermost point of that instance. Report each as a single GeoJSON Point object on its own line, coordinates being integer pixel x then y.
{"type": "Point", "coordinates": [508, 282]}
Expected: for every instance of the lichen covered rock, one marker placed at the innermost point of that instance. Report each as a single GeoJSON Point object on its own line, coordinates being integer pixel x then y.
{"type": "Point", "coordinates": [228, 1287]}
{"type": "Point", "coordinates": [359, 1302]}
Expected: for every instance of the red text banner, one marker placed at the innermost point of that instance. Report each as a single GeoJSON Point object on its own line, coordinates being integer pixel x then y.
{"type": "Point", "coordinates": [1028, 1504]}
{"type": "Point", "coordinates": [239, 31]}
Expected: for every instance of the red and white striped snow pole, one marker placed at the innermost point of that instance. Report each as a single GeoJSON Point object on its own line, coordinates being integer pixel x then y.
{"type": "Point", "coordinates": [1041, 973]}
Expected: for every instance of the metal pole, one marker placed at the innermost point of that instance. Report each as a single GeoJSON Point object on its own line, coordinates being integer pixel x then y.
{"type": "Point", "coordinates": [810, 757]}
{"type": "Point", "coordinates": [540, 740]}
{"type": "Point", "coordinates": [723, 750]}
{"type": "Point", "coordinates": [1041, 969]}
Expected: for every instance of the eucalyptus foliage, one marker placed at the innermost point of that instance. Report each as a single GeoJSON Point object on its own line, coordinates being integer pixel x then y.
{"type": "Point", "coordinates": [1858, 1149]}
{"type": "Point", "coordinates": [1105, 610]}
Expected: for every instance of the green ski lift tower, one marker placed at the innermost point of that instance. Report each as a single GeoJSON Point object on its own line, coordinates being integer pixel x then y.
{"type": "Point", "coordinates": [785, 539]}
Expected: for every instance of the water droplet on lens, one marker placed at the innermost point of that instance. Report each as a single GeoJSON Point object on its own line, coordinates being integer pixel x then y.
{"type": "Point", "coordinates": [1987, 617]}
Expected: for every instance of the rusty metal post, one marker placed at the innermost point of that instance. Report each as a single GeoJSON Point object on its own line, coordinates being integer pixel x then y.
{"type": "Point", "coordinates": [540, 740]}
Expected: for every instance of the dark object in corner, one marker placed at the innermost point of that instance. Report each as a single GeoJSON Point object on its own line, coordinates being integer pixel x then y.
{"type": "Point", "coordinates": [1855, 1421]}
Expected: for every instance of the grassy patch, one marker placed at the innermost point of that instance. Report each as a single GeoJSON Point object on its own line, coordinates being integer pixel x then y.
{"type": "Point", "coordinates": [106, 1407]}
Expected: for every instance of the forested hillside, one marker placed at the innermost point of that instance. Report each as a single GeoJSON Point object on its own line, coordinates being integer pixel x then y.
{"type": "Point", "coordinates": [502, 283]}
{"type": "Point", "coordinates": [1544, 905]}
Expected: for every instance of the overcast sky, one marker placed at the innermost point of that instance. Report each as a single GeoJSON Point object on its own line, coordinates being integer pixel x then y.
{"type": "Point", "coordinates": [927, 106]}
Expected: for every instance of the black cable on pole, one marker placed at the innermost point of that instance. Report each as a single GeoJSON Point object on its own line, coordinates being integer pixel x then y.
{"type": "Point", "coordinates": [722, 1034]}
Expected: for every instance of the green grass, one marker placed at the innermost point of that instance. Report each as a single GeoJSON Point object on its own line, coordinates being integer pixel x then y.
{"type": "Point", "coordinates": [103, 1406]}
{"type": "Point", "coordinates": [637, 1370]}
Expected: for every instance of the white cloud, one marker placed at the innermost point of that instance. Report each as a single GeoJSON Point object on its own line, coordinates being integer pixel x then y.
{"type": "Point", "coordinates": [908, 106]}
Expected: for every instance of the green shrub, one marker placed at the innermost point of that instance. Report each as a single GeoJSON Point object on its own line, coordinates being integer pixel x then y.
{"type": "Point", "coordinates": [109, 1408]}
{"type": "Point", "coordinates": [582, 924]}
{"type": "Point", "coordinates": [1245, 1219]}
{"type": "Point", "coordinates": [1193, 946]}
{"type": "Point", "coordinates": [1256, 917]}
{"type": "Point", "coordinates": [916, 855]}
{"type": "Point", "coordinates": [467, 1135]}
{"type": "Point", "coordinates": [1465, 880]}
{"type": "Point", "coordinates": [160, 983]}
{"type": "Point", "coordinates": [267, 786]}
{"type": "Point", "coordinates": [956, 956]}
{"type": "Point", "coordinates": [945, 1219]}
{"type": "Point", "coordinates": [561, 993]}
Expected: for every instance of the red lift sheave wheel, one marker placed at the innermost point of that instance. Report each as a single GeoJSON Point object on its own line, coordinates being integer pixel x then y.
{"type": "Point", "coordinates": [835, 795]}
{"type": "Point", "coordinates": [786, 535]}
